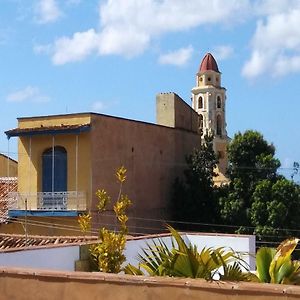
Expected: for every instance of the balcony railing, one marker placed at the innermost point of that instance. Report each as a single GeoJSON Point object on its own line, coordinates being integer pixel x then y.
{"type": "Point", "coordinates": [53, 201]}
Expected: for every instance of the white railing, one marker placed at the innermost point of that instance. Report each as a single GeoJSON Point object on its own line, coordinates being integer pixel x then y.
{"type": "Point", "coordinates": [71, 200]}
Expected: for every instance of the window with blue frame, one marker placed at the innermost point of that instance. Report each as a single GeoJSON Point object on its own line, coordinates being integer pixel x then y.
{"type": "Point", "coordinates": [54, 176]}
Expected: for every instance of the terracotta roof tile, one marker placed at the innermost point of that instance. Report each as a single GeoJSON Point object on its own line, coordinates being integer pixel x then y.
{"type": "Point", "coordinates": [16, 241]}
{"type": "Point", "coordinates": [209, 64]}
{"type": "Point", "coordinates": [7, 185]}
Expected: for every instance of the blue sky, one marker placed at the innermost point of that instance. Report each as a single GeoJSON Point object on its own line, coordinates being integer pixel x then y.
{"type": "Point", "coordinates": [114, 56]}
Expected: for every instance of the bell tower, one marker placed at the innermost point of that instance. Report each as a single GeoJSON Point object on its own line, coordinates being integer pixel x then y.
{"type": "Point", "coordinates": [208, 100]}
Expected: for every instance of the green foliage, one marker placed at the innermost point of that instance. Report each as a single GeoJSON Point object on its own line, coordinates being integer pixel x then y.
{"type": "Point", "coordinates": [256, 200]}
{"type": "Point", "coordinates": [103, 200]}
{"type": "Point", "coordinates": [276, 265]}
{"type": "Point", "coordinates": [264, 258]}
{"type": "Point", "coordinates": [251, 157]}
{"type": "Point", "coordinates": [251, 161]}
{"type": "Point", "coordinates": [108, 253]}
{"type": "Point", "coordinates": [193, 199]}
{"type": "Point", "coordinates": [84, 221]}
{"type": "Point", "coordinates": [184, 260]}
{"type": "Point", "coordinates": [120, 209]}
{"type": "Point", "coordinates": [275, 207]}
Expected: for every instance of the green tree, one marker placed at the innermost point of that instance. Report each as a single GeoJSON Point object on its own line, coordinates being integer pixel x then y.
{"type": "Point", "coordinates": [193, 199]}
{"type": "Point", "coordinates": [275, 207]}
{"type": "Point", "coordinates": [251, 159]}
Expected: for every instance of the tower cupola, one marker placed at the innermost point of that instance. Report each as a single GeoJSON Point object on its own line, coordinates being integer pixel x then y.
{"type": "Point", "coordinates": [208, 64]}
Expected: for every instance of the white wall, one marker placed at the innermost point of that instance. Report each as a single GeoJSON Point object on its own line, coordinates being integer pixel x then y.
{"type": "Point", "coordinates": [243, 244]}
{"type": "Point", "coordinates": [60, 258]}
{"type": "Point", "coordinates": [64, 257]}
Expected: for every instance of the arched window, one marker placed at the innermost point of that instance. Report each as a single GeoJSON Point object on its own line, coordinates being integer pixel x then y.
{"type": "Point", "coordinates": [219, 102]}
{"type": "Point", "coordinates": [200, 102]}
{"type": "Point", "coordinates": [219, 125]}
{"type": "Point", "coordinates": [54, 177]}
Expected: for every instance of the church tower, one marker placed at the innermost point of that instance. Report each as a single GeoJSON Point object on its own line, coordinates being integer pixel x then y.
{"type": "Point", "coordinates": [208, 100]}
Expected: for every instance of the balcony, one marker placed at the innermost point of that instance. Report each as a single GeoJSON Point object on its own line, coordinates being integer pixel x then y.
{"type": "Point", "coordinates": [46, 204]}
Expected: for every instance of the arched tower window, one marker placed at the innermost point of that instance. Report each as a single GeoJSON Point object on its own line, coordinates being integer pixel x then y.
{"type": "Point", "coordinates": [219, 125]}
{"type": "Point", "coordinates": [219, 102]}
{"type": "Point", "coordinates": [200, 102]}
{"type": "Point", "coordinates": [54, 172]}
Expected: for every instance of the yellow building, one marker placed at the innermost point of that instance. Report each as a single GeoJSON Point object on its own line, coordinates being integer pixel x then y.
{"type": "Point", "coordinates": [8, 166]}
{"type": "Point", "coordinates": [65, 159]}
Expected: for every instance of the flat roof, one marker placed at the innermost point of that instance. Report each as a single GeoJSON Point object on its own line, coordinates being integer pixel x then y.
{"type": "Point", "coordinates": [7, 157]}
{"type": "Point", "coordinates": [48, 130]}
{"type": "Point", "coordinates": [102, 115]}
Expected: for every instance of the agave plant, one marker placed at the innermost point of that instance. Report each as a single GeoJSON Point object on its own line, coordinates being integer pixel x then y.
{"type": "Point", "coordinates": [184, 260]}
{"type": "Point", "coordinates": [276, 265]}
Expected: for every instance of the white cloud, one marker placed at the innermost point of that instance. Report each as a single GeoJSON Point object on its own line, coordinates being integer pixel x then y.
{"type": "Point", "coordinates": [75, 48]}
{"type": "Point", "coordinates": [47, 11]}
{"type": "Point", "coordinates": [128, 27]}
{"type": "Point", "coordinates": [275, 46]}
{"type": "Point", "coordinates": [28, 94]}
{"type": "Point", "coordinates": [269, 7]}
{"type": "Point", "coordinates": [222, 52]}
{"type": "Point", "coordinates": [178, 58]}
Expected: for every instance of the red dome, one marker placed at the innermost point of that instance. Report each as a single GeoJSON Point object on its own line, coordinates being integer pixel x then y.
{"type": "Point", "coordinates": [208, 64]}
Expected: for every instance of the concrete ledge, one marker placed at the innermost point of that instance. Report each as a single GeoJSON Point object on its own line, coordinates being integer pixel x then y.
{"type": "Point", "coordinates": [45, 284]}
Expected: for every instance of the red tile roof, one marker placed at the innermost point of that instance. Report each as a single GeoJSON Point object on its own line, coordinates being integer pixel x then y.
{"type": "Point", "coordinates": [7, 185]}
{"type": "Point", "coordinates": [18, 241]}
{"type": "Point", "coordinates": [209, 64]}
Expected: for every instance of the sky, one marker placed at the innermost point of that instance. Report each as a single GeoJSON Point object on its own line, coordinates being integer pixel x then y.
{"type": "Point", "coordinates": [114, 56]}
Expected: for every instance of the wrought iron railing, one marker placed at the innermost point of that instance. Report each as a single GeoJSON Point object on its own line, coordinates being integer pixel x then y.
{"type": "Point", "coordinates": [71, 200]}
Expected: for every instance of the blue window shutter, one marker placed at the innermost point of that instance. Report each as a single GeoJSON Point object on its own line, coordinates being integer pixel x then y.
{"type": "Point", "coordinates": [60, 170]}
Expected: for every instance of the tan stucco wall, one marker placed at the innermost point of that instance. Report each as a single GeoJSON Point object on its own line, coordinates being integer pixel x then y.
{"type": "Point", "coordinates": [153, 155]}
{"type": "Point", "coordinates": [13, 167]}
{"type": "Point", "coordinates": [172, 111]}
{"type": "Point", "coordinates": [27, 284]}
